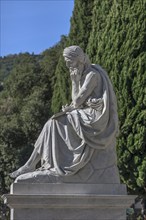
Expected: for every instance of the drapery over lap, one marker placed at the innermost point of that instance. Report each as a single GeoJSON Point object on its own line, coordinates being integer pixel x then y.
{"type": "Point", "coordinates": [68, 142]}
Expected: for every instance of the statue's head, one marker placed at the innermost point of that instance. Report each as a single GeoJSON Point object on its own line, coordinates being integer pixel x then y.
{"type": "Point", "coordinates": [74, 56]}
{"type": "Point", "coordinates": [74, 53]}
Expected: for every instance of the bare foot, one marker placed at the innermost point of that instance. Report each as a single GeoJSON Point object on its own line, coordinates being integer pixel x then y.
{"type": "Point", "coordinates": [21, 170]}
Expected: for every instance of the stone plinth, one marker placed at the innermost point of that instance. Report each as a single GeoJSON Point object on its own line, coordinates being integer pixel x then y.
{"type": "Point", "coordinates": [68, 201]}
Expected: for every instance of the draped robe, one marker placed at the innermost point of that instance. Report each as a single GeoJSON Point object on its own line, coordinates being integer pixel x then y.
{"type": "Point", "coordinates": [68, 143]}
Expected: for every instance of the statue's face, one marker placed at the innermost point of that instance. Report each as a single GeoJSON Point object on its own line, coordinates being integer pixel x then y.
{"type": "Point", "coordinates": [75, 67]}
{"type": "Point", "coordinates": [70, 63]}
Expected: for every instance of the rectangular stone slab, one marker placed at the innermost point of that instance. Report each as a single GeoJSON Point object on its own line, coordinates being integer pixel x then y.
{"type": "Point", "coordinates": [68, 207]}
{"type": "Point", "coordinates": [60, 188]}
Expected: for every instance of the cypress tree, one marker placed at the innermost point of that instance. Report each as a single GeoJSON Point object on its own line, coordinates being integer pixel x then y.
{"type": "Point", "coordinates": [81, 23]}
{"type": "Point", "coordinates": [118, 43]}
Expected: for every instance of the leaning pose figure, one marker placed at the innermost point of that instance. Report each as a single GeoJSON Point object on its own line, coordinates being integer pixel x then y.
{"type": "Point", "coordinates": [78, 144]}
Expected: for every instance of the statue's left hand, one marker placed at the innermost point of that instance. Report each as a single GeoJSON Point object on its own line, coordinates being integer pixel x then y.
{"type": "Point", "coordinates": [67, 108]}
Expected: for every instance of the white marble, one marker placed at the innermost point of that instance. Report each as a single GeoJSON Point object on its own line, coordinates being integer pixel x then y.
{"type": "Point", "coordinates": [77, 145]}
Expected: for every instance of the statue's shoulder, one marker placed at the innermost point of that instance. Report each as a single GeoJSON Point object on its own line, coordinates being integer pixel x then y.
{"type": "Point", "coordinates": [94, 70]}
{"type": "Point", "coordinates": [91, 73]}
{"type": "Point", "coordinates": [99, 71]}
{"type": "Point", "coordinates": [91, 70]}
{"type": "Point", "coordinates": [95, 67]}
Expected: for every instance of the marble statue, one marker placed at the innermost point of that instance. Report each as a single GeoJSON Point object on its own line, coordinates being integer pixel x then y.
{"type": "Point", "coordinates": [77, 145]}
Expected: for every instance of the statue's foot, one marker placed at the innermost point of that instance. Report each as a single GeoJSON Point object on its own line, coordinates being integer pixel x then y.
{"type": "Point", "coordinates": [21, 170]}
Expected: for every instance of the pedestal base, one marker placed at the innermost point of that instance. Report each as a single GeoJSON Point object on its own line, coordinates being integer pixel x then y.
{"type": "Point", "coordinates": [68, 202]}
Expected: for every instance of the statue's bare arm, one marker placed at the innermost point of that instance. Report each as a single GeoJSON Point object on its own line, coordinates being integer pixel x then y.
{"type": "Point", "coordinates": [86, 89]}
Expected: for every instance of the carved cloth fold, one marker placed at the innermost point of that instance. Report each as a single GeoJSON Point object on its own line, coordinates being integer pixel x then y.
{"type": "Point", "coordinates": [67, 143]}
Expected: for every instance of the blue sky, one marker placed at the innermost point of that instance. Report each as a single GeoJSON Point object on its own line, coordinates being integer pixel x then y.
{"type": "Point", "coordinates": [33, 25]}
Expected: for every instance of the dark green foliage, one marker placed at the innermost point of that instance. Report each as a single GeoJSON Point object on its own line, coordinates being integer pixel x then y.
{"type": "Point", "coordinates": [8, 62]}
{"type": "Point", "coordinates": [118, 43]}
{"type": "Point", "coordinates": [81, 23]}
{"type": "Point", "coordinates": [25, 106]}
{"type": "Point", "coordinates": [6, 65]}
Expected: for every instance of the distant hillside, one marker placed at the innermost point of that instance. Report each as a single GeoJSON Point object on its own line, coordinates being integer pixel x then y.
{"type": "Point", "coordinates": [8, 62]}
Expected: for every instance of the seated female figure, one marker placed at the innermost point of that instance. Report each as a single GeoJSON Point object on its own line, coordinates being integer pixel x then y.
{"type": "Point", "coordinates": [78, 144]}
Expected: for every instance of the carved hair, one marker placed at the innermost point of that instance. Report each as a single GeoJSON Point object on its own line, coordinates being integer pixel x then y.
{"type": "Point", "coordinates": [75, 52]}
